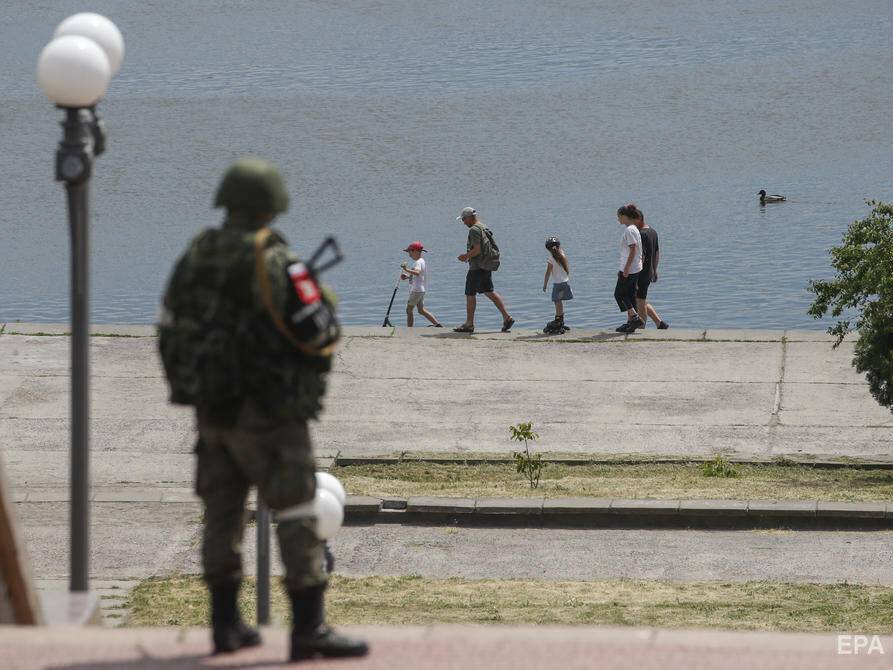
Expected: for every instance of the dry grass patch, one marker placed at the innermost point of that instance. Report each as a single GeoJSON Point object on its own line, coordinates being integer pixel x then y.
{"type": "Point", "coordinates": [649, 481]}
{"type": "Point", "coordinates": [182, 601]}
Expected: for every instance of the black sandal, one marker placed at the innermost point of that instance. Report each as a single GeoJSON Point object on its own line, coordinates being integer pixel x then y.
{"type": "Point", "coordinates": [464, 329]}
{"type": "Point", "coordinates": [507, 324]}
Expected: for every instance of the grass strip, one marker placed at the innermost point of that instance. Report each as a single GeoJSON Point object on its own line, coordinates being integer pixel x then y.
{"type": "Point", "coordinates": [182, 601]}
{"type": "Point", "coordinates": [620, 458]}
{"type": "Point", "coordinates": [645, 481]}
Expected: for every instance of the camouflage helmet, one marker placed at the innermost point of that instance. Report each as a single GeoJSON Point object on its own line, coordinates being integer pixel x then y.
{"type": "Point", "coordinates": [252, 185]}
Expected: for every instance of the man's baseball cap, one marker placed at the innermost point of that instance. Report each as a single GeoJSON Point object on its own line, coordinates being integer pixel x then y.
{"type": "Point", "coordinates": [415, 246]}
{"type": "Point", "coordinates": [466, 212]}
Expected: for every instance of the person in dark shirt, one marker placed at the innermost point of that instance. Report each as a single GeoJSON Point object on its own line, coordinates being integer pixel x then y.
{"type": "Point", "coordinates": [648, 275]}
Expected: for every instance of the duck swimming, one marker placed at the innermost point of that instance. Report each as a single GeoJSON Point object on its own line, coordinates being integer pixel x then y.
{"type": "Point", "coordinates": [770, 198]}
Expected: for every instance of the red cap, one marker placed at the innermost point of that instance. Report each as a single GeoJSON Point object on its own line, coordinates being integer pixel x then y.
{"type": "Point", "coordinates": [415, 246]}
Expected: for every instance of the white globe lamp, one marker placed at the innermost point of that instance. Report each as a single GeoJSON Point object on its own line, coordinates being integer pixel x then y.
{"type": "Point", "coordinates": [330, 483]}
{"type": "Point", "coordinates": [73, 71]}
{"type": "Point", "coordinates": [99, 29]}
{"type": "Point", "coordinates": [329, 514]}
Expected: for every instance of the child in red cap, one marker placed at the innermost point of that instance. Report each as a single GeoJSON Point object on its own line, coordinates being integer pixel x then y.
{"type": "Point", "coordinates": [417, 273]}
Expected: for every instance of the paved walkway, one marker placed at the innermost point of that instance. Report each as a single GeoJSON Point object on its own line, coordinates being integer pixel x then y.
{"type": "Point", "coordinates": [752, 393]}
{"type": "Point", "coordinates": [587, 554]}
{"type": "Point", "coordinates": [446, 648]}
{"type": "Point", "coordinates": [132, 541]}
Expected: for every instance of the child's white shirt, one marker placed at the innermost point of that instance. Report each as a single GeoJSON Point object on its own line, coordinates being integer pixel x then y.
{"type": "Point", "coordinates": [419, 283]}
{"type": "Point", "coordinates": [559, 276]}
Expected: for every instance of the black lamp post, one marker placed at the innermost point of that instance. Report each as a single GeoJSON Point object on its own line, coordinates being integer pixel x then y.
{"type": "Point", "coordinates": [74, 166]}
{"type": "Point", "coordinates": [74, 71]}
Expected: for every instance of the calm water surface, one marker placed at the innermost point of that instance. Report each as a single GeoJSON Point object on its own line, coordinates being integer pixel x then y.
{"type": "Point", "coordinates": [388, 117]}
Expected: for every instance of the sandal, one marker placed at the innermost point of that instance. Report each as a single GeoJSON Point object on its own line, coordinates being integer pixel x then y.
{"type": "Point", "coordinates": [464, 329]}
{"type": "Point", "coordinates": [507, 324]}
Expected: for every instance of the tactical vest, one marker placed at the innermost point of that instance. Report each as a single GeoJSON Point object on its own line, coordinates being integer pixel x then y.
{"type": "Point", "coordinates": [219, 347]}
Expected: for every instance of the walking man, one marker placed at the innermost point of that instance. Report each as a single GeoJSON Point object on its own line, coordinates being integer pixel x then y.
{"type": "Point", "coordinates": [479, 250]}
{"type": "Point", "coordinates": [648, 275]}
{"type": "Point", "coordinates": [246, 337]}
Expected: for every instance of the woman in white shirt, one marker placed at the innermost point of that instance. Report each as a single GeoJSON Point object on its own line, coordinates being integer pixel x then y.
{"type": "Point", "coordinates": [559, 270]}
{"type": "Point", "coordinates": [630, 267]}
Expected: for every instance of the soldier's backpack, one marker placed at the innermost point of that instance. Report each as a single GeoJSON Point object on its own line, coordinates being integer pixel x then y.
{"type": "Point", "coordinates": [219, 346]}
{"type": "Point", "coordinates": [489, 250]}
{"type": "Point", "coordinates": [199, 326]}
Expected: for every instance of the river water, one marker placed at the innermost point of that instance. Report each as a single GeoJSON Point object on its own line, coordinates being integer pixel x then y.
{"type": "Point", "coordinates": [387, 117]}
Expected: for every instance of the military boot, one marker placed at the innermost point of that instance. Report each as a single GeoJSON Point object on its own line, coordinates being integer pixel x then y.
{"type": "Point", "coordinates": [229, 631]}
{"type": "Point", "coordinates": [310, 636]}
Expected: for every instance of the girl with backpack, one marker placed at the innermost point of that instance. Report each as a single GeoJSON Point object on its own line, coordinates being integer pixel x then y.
{"type": "Point", "coordinates": [559, 269]}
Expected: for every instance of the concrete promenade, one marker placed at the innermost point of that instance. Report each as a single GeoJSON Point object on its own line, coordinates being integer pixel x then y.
{"type": "Point", "coordinates": [747, 393]}
{"type": "Point", "coordinates": [449, 648]}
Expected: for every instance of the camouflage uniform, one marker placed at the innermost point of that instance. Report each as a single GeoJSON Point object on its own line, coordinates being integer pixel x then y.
{"type": "Point", "coordinates": [275, 456]}
{"type": "Point", "coordinates": [254, 391]}
{"type": "Point", "coordinates": [263, 441]}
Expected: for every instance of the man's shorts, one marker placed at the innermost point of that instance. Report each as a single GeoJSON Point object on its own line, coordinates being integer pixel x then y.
{"type": "Point", "coordinates": [478, 281]}
{"type": "Point", "coordinates": [416, 298]}
{"type": "Point", "coordinates": [642, 284]}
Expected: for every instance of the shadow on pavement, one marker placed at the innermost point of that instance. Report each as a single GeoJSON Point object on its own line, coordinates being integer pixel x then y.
{"type": "Point", "coordinates": [570, 337]}
{"type": "Point", "coordinates": [462, 336]}
{"type": "Point", "coordinates": [196, 662]}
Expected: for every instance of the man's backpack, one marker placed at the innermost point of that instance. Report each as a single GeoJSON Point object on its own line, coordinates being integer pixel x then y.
{"type": "Point", "coordinates": [489, 250]}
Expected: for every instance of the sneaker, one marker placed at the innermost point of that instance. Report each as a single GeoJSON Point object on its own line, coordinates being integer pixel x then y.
{"type": "Point", "coordinates": [663, 325]}
{"type": "Point", "coordinates": [507, 324]}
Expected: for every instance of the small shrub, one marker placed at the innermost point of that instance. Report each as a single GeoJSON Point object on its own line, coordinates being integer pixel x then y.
{"type": "Point", "coordinates": [720, 466]}
{"type": "Point", "coordinates": [527, 464]}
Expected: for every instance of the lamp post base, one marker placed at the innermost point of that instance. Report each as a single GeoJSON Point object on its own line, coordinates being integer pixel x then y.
{"type": "Point", "coordinates": [64, 608]}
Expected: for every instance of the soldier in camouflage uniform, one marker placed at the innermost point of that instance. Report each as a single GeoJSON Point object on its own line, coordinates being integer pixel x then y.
{"type": "Point", "coordinates": [246, 338]}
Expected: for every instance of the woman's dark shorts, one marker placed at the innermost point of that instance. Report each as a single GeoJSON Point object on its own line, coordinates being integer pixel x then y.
{"type": "Point", "coordinates": [625, 291]}
{"type": "Point", "coordinates": [478, 281]}
{"type": "Point", "coordinates": [642, 284]}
